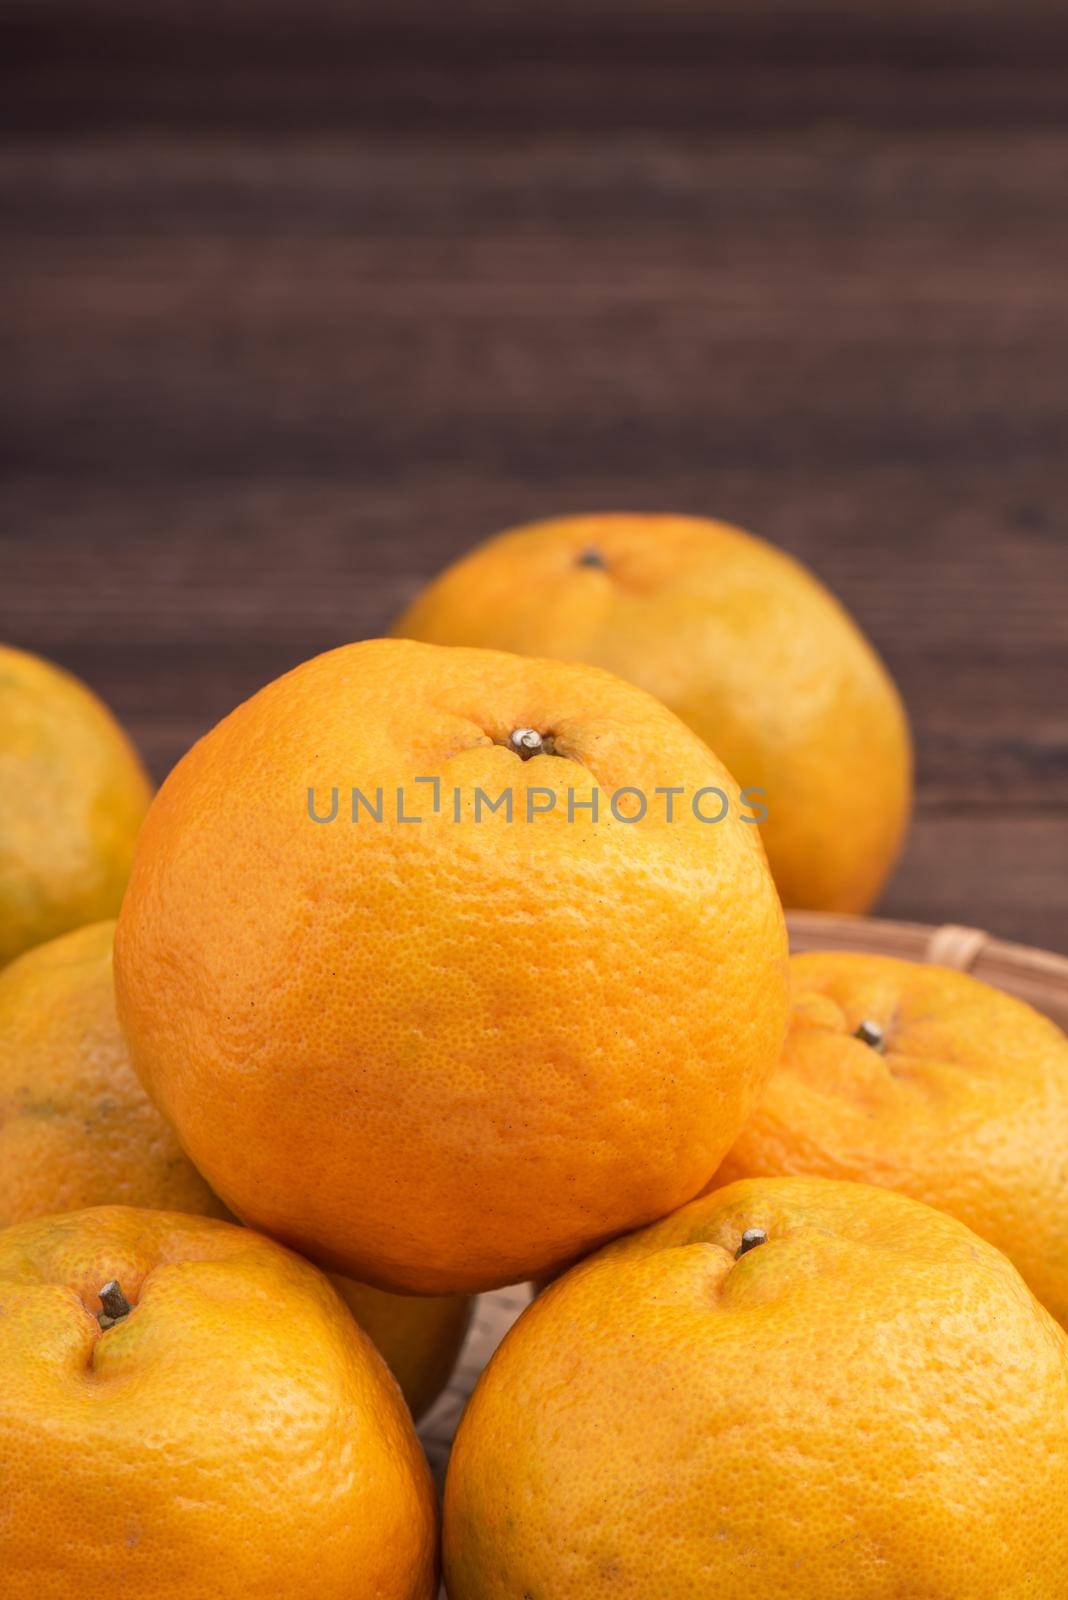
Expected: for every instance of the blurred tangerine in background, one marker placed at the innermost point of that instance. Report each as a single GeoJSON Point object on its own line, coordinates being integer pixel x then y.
{"type": "Point", "coordinates": [742, 642]}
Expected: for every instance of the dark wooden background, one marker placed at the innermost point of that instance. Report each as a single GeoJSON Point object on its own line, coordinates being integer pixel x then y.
{"type": "Point", "coordinates": [299, 300]}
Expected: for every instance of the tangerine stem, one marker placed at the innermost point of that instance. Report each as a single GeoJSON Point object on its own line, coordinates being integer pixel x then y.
{"type": "Point", "coordinates": [526, 742]}
{"type": "Point", "coordinates": [115, 1305]}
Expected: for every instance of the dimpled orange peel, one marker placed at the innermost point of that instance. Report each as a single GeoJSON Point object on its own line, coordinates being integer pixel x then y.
{"type": "Point", "coordinates": [455, 1053]}
{"type": "Point", "coordinates": [189, 1411]}
{"type": "Point", "coordinates": [926, 1080]}
{"type": "Point", "coordinates": [741, 641]}
{"type": "Point", "coordinates": [72, 796]}
{"type": "Point", "coordinates": [77, 1130]}
{"type": "Point", "coordinates": [792, 1389]}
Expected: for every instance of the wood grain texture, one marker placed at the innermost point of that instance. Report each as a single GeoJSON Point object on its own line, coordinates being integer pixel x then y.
{"type": "Point", "coordinates": [297, 303]}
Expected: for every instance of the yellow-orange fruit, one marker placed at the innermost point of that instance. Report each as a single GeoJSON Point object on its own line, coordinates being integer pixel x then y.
{"type": "Point", "coordinates": [448, 1055]}
{"type": "Point", "coordinates": [923, 1079]}
{"type": "Point", "coordinates": [78, 1130]}
{"type": "Point", "coordinates": [420, 1335]}
{"type": "Point", "coordinates": [736, 637]}
{"type": "Point", "coordinates": [232, 1435]}
{"type": "Point", "coordinates": [792, 1389]}
{"type": "Point", "coordinates": [72, 796]}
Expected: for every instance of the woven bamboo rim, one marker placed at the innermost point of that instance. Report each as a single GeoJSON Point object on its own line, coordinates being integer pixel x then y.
{"type": "Point", "coordinates": [1037, 976]}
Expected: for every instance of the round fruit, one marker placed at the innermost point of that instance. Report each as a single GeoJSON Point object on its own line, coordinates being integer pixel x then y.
{"type": "Point", "coordinates": [792, 1389]}
{"type": "Point", "coordinates": [738, 639]}
{"type": "Point", "coordinates": [923, 1079]}
{"type": "Point", "coordinates": [72, 796]}
{"type": "Point", "coordinates": [452, 1054]}
{"type": "Point", "coordinates": [420, 1336]}
{"type": "Point", "coordinates": [78, 1130]}
{"type": "Point", "coordinates": [188, 1410]}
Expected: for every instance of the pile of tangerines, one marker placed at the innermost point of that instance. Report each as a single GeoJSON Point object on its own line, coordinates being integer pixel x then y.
{"type": "Point", "coordinates": [430, 976]}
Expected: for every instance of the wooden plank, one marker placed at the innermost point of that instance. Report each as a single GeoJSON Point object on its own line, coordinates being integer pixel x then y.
{"type": "Point", "coordinates": [289, 319]}
{"type": "Point", "coordinates": [618, 63]}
